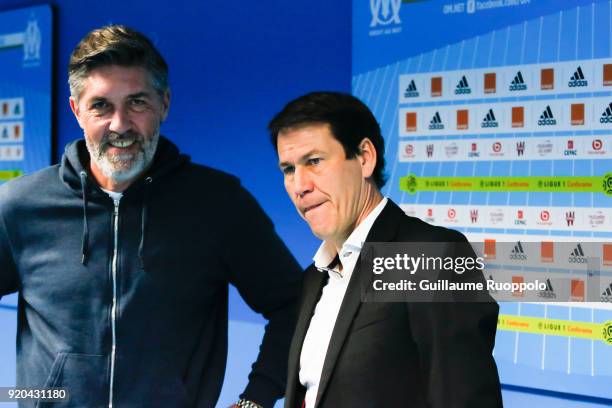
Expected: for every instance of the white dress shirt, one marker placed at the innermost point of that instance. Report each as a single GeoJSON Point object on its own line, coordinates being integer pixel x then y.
{"type": "Point", "coordinates": [322, 323]}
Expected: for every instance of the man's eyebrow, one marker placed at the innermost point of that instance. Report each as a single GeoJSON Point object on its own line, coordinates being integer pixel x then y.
{"type": "Point", "coordinates": [139, 95]}
{"type": "Point", "coordinates": [302, 159]}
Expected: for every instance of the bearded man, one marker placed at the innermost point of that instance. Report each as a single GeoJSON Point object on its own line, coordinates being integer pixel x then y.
{"type": "Point", "coordinates": [122, 254]}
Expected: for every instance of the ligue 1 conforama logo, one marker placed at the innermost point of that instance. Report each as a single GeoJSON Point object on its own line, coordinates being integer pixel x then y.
{"type": "Point", "coordinates": [607, 332]}
{"type": "Point", "coordinates": [385, 12]}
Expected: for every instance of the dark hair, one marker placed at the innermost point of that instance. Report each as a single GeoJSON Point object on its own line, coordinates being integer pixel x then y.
{"type": "Point", "coordinates": [115, 45]}
{"type": "Point", "coordinates": [349, 119]}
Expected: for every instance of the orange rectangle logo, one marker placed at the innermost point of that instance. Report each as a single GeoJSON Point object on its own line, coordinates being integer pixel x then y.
{"type": "Point", "coordinates": [518, 116]}
{"type": "Point", "coordinates": [577, 114]}
{"type": "Point", "coordinates": [607, 74]}
{"type": "Point", "coordinates": [607, 254]}
{"type": "Point", "coordinates": [490, 82]}
{"type": "Point", "coordinates": [577, 290]}
{"type": "Point", "coordinates": [547, 78]}
{"type": "Point", "coordinates": [436, 86]}
{"type": "Point", "coordinates": [411, 121]}
{"type": "Point", "coordinates": [517, 280]}
{"type": "Point", "coordinates": [462, 119]}
{"type": "Point", "coordinates": [489, 249]}
{"type": "Point", "coordinates": [547, 251]}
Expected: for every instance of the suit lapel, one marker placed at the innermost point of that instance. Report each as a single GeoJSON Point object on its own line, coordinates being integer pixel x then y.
{"type": "Point", "coordinates": [313, 287]}
{"type": "Point", "coordinates": [383, 230]}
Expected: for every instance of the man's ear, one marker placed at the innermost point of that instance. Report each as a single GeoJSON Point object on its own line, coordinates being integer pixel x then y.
{"type": "Point", "coordinates": [165, 104]}
{"type": "Point", "coordinates": [367, 157]}
{"type": "Point", "coordinates": [74, 106]}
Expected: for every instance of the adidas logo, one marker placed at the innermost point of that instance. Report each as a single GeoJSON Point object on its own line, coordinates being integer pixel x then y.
{"type": "Point", "coordinates": [489, 120]}
{"type": "Point", "coordinates": [606, 295]}
{"type": "Point", "coordinates": [463, 87]}
{"type": "Point", "coordinates": [606, 116]}
{"type": "Point", "coordinates": [547, 118]}
{"type": "Point", "coordinates": [549, 292]}
{"type": "Point", "coordinates": [411, 90]}
{"type": "Point", "coordinates": [518, 253]}
{"type": "Point", "coordinates": [577, 80]}
{"type": "Point", "coordinates": [577, 255]}
{"type": "Point", "coordinates": [436, 122]}
{"type": "Point", "coordinates": [518, 84]}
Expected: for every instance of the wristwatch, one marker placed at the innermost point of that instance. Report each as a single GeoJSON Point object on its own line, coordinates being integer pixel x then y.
{"type": "Point", "coordinates": [243, 403]}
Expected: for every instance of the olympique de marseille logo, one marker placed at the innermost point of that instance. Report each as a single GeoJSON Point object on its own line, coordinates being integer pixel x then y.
{"type": "Point", "coordinates": [31, 41]}
{"type": "Point", "coordinates": [385, 12]}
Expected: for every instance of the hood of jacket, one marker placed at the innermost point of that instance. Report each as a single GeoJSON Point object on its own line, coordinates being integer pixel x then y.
{"type": "Point", "coordinates": [75, 174]}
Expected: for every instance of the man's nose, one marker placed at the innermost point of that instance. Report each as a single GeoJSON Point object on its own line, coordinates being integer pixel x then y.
{"type": "Point", "coordinates": [120, 122]}
{"type": "Point", "coordinates": [302, 181]}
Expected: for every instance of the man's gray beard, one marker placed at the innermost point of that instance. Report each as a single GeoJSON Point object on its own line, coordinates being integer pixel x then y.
{"type": "Point", "coordinates": [123, 167]}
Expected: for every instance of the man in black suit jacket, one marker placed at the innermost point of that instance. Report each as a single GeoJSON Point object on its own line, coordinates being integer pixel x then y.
{"type": "Point", "coordinates": [349, 353]}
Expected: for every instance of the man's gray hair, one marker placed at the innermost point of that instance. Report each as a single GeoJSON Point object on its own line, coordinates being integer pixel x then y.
{"type": "Point", "coordinates": [115, 45]}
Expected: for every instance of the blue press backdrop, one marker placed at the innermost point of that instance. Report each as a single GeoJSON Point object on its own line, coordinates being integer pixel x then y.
{"type": "Point", "coordinates": [232, 66]}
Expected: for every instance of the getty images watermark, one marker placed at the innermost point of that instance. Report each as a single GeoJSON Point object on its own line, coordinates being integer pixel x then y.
{"type": "Point", "coordinates": [486, 271]}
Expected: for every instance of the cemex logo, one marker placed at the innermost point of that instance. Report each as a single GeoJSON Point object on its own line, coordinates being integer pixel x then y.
{"type": "Point", "coordinates": [577, 255]}
{"type": "Point", "coordinates": [520, 218]}
{"type": "Point", "coordinates": [518, 83]}
{"type": "Point", "coordinates": [518, 253]}
{"type": "Point", "coordinates": [570, 151]}
{"type": "Point", "coordinates": [474, 216]}
{"type": "Point", "coordinates": [577, 80]}
{"type": "Point", "coordinates": [547, 118]}
{"type": "Point", "coordinates": [474, 151]}
{"type": "Point", "coordinates": [520, 148]}
{"type": "Point", "coordinates": [430, 217]}
{"type": "Point", "coordinates": [489, 120]}
{"type": "Point", "coordinates": [549, 292]}
{"type": "Point", "coordinates": [385, 12]}
{"type": "Point", "coordinates": [463, 88]}
{"type": "Point", "coordinates": [411, 90]}
{"type": "Point", "coordinates": [569, 218]}
{"type": "Point", "coordinates": [429, 149]}
{"type": "Point", "coordinates": [436, 122]}
{"type": "Point", "coordinates": [606, 116]}
{"type": "Point", "coordinates": [606, 295]}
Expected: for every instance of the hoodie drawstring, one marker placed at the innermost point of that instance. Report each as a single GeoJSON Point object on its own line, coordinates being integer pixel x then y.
{"type": "Point", "coordinates": [85, 243]}
{"type": "Point", "coordinates": [143, 220]}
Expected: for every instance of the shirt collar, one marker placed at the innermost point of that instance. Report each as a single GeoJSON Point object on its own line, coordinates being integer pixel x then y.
{"type": "Point", "coordinates": [352, 246]}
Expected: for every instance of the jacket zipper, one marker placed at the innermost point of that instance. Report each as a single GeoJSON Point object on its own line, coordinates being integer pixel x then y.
{"type": "Point", "coordinates": [114, 306]}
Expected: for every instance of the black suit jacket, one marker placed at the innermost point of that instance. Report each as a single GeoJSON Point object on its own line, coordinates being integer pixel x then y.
{"type": "Point", "coordinates": [400, 354]}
